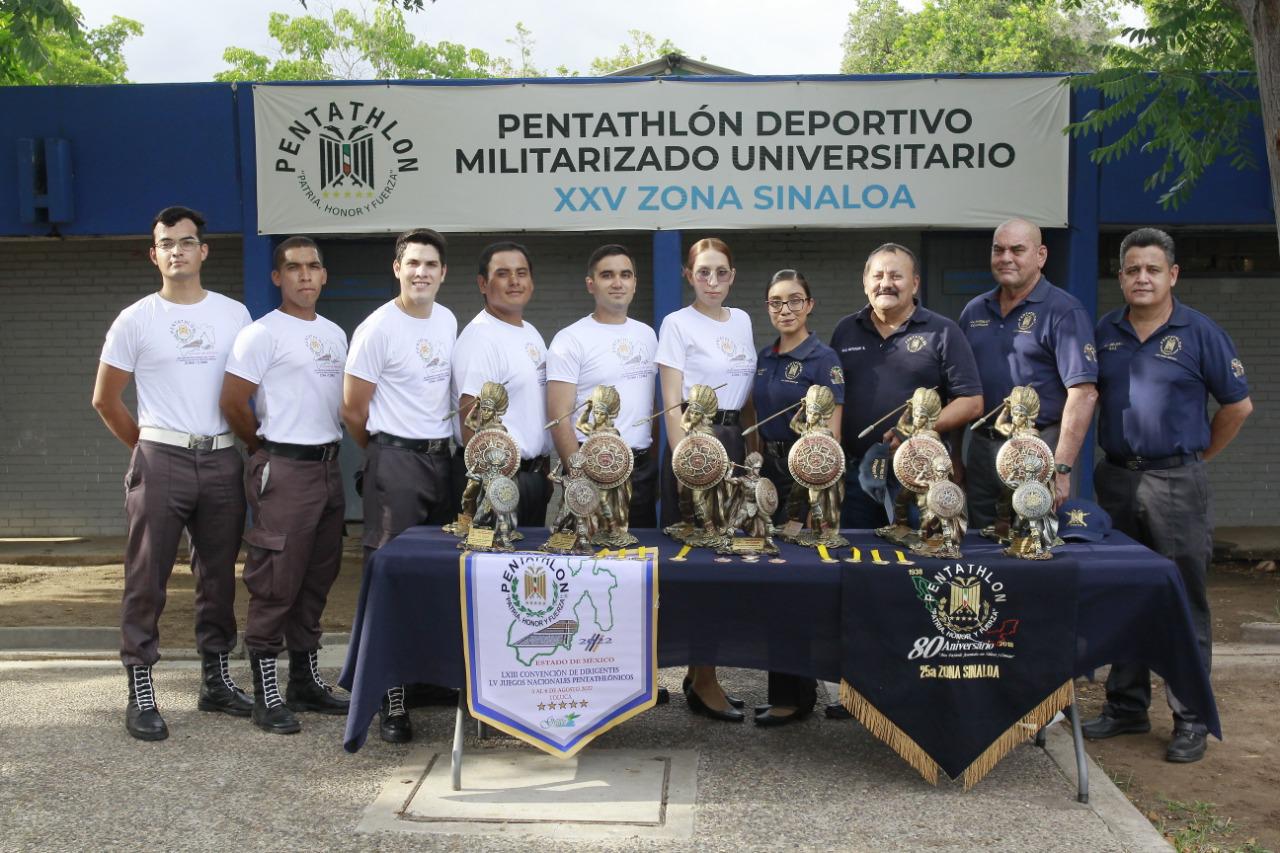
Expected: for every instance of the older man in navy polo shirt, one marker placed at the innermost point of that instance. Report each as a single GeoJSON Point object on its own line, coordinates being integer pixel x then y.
{"type": "Point", "coordinates": [1028, 332]}
{"type": "Point", "coordinates": [888, 349]}
{"type": "Point", "coordinates": [1158, 363]}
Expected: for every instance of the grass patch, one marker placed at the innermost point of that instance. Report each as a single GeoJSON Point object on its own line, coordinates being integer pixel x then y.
{"type": "Point", "coordinates": [1197, 828]}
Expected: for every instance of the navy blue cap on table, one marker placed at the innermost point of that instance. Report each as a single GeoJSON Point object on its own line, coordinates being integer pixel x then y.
{"type": "Point", "coordinates": [1083, 521]}
{"type": "Point", "coordinates": [875, 476]}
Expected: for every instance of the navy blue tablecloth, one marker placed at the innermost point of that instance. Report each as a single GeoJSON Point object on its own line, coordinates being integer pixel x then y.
{"type": "Point", "coordinates": [783, 617]}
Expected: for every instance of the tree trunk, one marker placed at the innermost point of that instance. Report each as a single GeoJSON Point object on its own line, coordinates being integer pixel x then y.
{"type": "Point", "coordinates": [1262, 18]}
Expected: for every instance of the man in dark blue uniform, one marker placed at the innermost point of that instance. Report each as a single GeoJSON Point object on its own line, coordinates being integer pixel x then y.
{"type": "Point", "coordinates": [1158, 363]}
{"type": "Point", "coordinates": [1028, 332]}
{"type": "Point", "coordinates": [889, 349]}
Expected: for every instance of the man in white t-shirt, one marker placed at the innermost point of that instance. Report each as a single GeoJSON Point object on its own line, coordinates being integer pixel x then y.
{"type": "Point", "coordinates": [498, 345]}
{"type": "Point", "coordinates": [396, 403]}
{"type": "Point", "coordinates": [289, 364]}
{"type": "Point", "coordinates": [609, 348]}
{"type": "Point", "coordinates": [184, 472]}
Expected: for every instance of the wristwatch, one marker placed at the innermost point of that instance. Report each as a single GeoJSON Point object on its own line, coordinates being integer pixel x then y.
{"type": "Point", "coordinates": [1062, 468]}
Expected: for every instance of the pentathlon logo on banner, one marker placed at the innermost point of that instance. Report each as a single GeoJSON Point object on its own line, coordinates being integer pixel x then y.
{"type": "Point", "coordinates": [559, 648]}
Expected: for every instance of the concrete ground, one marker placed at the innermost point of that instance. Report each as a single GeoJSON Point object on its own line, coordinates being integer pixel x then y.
{"type": "Point", "coordinates": [73, 779]}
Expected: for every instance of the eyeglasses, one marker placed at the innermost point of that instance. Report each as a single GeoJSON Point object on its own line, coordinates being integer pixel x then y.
{"type": "Point", "coordinates": [795, 303]}
{"type": "Point", "coordinates": [186, 244]}
{"type": "Point", "coordinates": [704, 275]}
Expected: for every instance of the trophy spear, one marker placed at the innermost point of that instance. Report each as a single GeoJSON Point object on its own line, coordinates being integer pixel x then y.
{"type": "Point", "coordinates": [886, 417]}
{"type": "Point", "coordinates": [755, 426]}
{"type": "Point", "coordinates": [982, 420]}
{"type": "Point", "coordinates": [643, 421]}
{"type": "Point", "coordinates": [550, 424]}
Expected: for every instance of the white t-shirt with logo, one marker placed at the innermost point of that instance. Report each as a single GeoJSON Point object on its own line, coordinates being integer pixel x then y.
{"type": "Point", "coordinates": [490, 350]}
{"type": "Point", "coordinates": [297, 366]}
{"type": "Point", "coordinates": [591, 353]}
{"type": "Point", "coordinates": [710, 352]}
{"type": "Point", "coordinates": [410, 360]}
{"type": "Point", "coordinates": [177, 355]}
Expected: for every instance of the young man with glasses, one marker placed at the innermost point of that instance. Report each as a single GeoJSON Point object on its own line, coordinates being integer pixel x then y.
{"type": "Point", "coordinates": [184, 473]}
{"type": "Point", "coordinates": [609, 348]}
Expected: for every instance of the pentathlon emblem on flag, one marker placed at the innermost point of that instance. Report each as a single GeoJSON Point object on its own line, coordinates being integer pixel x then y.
{"type": "Point", "coordinates": [346, 161]}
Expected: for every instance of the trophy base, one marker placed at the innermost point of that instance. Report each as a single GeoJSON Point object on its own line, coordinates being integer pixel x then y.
{"type": "Point", "coordinates": [997, 533]}
{"type": "Point", "coordinates": [459, 527]}
{"type": "Point", "coordinates": [1028, 548]}
{"type": "Point", "coordinates": [812, 539]}
{"type": "Point", "coordinates": [484, 539]}
{"type": "Point", "coordinates": [749, 546]}
{"type": "Point", "coordinates": [679, 531]}
{"type": "Point", "coordinates": [937, 548]}
{"type": "Point", "coordinates": [900, 534]}
{"type": "Point", "coordinates": [614, 540]}
{"type": "Point", "coordinates": [565, 542]}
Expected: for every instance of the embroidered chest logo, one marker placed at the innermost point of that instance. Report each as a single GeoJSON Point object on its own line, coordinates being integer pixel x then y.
{"type": "Point", "coordinates": [915, 343]}
{"type": "Point", "coordinates": [794, 369]}
{"type": "Point", "coordinates": [324, 352]}
{"type": "Point", "coordinates": [1026, 321]}
{"type": "Point", "coordinates": [979, 324]}
{"type": "Point", "coordinates": [431, 353]}
{"type": "Point", "coordinates": [1237, 368]}
{"type": "Point", "coordinates": [1112, 346]}
{"type": "Point", "coordinates": [1170, 346]}
{"type": "Point", "coordinates": [1076, 518]}
{"type": "Point", "coordinates": [532, 351]}
{"type": "Point", "coordinates": [1090, 353]}
{"type": "Point", "coordinates": [626, 350]}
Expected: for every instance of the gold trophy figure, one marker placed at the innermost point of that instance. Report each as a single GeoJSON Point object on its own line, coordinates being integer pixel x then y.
{"type": "Point", "coordinates": [753, 502]}
{"type": "Point", "coordinates": [920, 461]}
{"type": "Point", "coordinates": [1023, 458]}
{"type": "Point", "coordinates": [816, 463]}
{"type": "Point", "coordinates": [700, 464]}
{"type": "Point", "coordinates": [607, 462]}
{"type": "Point", "coordinates": [579, 506]}
{"type": "Point", "coordinates": [490, 448]}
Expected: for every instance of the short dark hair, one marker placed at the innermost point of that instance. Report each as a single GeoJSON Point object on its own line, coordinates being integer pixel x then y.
{"type": "Point", "coordinates": [174, 214]}
{"type": "Point", "coordinates": [789, 275]}
{"type": "Point", "coordinates": [487, 253]}
{"type": "Point", "coordinates": [1144, 237]}
{"type": "Point", "coordinates": [608, 251]}
{"type": "Point", "coordinates": [425, 236]}
{"type": "Point", "coordinates": [278, 258]}
{"type": "Point", "coordinates": [893, 248]}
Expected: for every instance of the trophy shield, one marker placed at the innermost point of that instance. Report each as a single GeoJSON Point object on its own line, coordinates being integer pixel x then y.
{"type": "Point", "coordinates": [608, 460]}
{"type": "Point", "coordinates": [917, 460]}
{"type": "Point", "coordinates": [1032, 500]}
{"type": "Point", "coordinates": [581, 496]}
{"type": "Point", "coordinates": [945, 499]}
{"type": "Point", "coordinates": [492, 450]}
{"type": "Point", "coordinates": [1024, 459]}
{"type": "Point", "coordinates": [766, 496]}
{"type": "Point", "coordinates": [503, 494]}
{"type": "Point", "coordinates": [816, 460]}
{"type": "Point", "coordinates": [699, 461]}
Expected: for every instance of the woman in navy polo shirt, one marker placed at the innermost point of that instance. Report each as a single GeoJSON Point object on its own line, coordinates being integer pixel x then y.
{"type": "Point", "coordinates": [784, 371]}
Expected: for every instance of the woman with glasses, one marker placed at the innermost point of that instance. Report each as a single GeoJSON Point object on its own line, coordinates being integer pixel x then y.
{"type": "Point", "coordinates": [788, 367]}
{"type": "Point", "coordinates": [709, 344]}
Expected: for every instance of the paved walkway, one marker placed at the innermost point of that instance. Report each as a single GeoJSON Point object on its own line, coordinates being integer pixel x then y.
{"type": "Point", "coordinates": [72, 779]}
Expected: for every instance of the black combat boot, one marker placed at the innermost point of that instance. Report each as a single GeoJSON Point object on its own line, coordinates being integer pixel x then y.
{"type": "Point", "coordinates": [269, 711]}
{"type": "Point", "coordinates": [141, 718]}
{"type": "Point", "coordinates": [394, 727]}
{"type": "Point", "coordinates": [307, 691]}
{"type": "Point", "coordinates": [217, 691]}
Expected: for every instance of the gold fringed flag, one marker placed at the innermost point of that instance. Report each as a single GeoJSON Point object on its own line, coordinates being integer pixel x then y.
{"type": "Point", "coordinates": [959, 661]}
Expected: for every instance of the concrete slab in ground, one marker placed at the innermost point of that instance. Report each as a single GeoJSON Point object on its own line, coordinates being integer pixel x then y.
{"type": "Point", "coordinates": [598, 794]}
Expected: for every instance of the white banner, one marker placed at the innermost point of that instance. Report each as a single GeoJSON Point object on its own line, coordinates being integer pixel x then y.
{"type": "Point", "coordinates": [662, 154]}
{"type": "Point", "coordinates": [559, 649]}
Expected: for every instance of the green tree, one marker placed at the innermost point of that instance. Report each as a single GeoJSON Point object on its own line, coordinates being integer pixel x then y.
{"type": "Point", "coordinates": [977, 36]}
{"type": "Point", "coordinates": [1159, 80]}
{"type": "Point", "coordinates": [642, 48]}
{"type": "Point", "coordinates": [348, 46]}
{"type": "Point", "coordinates": [44, 42]}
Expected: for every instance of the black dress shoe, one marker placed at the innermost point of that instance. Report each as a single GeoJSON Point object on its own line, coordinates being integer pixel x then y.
{"type": "Point", "coordinates": [147, 724]}
{"type": "Point", "coordinates": [1186, 747]}
{"type": "Point", "coordinates": [395, 728]}
{"type": "Point", "coordinates": [697, 706]}
{"type": "Point", "coordinates": [771, 720]}
{"type": "Point", "coordinates": [760, 709]}
{"type": "Point", "coordinates": [734, 701]}
{"type": "Point", "coordinates": [836, 711]}
{"type": "Point", "coordinates": [664, 696]}
{"type": "Point", "coordinates": [1104, 726]}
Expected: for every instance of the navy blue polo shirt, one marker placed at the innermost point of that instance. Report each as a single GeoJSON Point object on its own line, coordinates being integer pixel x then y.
{"type": "Point", "coordinates": [926, 351]}
{"type": "Point", "coordinates": [784, 378]}
{"type": "Point", "coordinates": [1045, 342]}
{"type": "Point", "coordinates": [1152, 395]}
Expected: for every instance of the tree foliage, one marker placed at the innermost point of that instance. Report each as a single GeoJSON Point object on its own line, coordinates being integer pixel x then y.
{"type": "Point", "coordinates": [44, 42]}
{"type": "Point", "coordinates": [643, 47]}
{"type": "Point", "coordinates": [1157, 82]}
{"type": "Point", "coordinates": [977, 36]}
{"type": "Point", "coordinates": [347, 45]}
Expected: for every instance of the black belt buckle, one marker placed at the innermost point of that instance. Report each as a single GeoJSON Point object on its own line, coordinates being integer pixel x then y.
{"type": "Point", "coordinates": [1134, 464]}
{"type": "Point", "coordinates": [329, 452]}
{"type": "Point", "coordinates": [638, 456]}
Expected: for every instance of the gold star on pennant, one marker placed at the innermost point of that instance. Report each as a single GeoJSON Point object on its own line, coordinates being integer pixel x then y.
{"type": "Point", "coordinates": [541, 707]}
{"type": "Point", "coordinates": [582, 704]}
